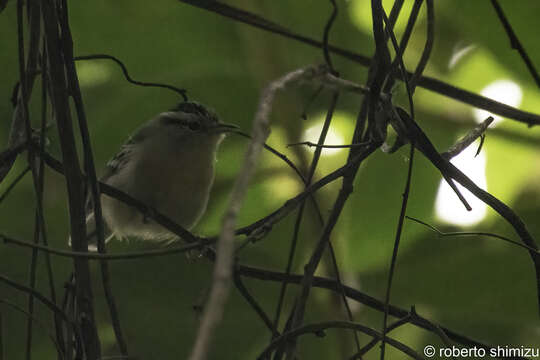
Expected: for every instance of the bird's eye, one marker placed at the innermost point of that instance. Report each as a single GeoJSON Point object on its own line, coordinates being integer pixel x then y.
{"type": "Point", "coordinates": [194, 125]}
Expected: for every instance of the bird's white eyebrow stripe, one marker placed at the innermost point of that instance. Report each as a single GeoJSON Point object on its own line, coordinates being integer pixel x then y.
{"type": "Point", "coordinates": [170, 114]}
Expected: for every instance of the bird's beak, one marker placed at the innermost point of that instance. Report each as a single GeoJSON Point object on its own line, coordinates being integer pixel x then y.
{"type": "Point", "coordinates": [224, 128]}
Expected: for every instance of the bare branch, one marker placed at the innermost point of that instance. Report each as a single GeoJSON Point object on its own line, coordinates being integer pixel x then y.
{"type": "Point", "coordinates": [223, 267]}
{"type": "Point", "coordinates": [98, 256]}
{"type": "Point", "coordinates": [473, 233]}
{"type": "Point", "coordinates": [468, 139]}
{"type": "Point", "coordinates": [514, 41]}
{"type": "Point", "coordinates": [426, 82]}
{"type": "Point", "coordinates": [319, 328]}
{"type": "Point", "coordinates": [182, 92]}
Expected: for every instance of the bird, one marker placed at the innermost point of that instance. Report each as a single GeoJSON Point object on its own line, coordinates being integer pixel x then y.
{"type": "Point", "coordinates": [167, 164]}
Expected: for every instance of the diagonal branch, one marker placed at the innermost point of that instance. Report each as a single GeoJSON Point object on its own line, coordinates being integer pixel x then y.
{"type": "Point", "coordinates": [426, 82]}
{"type": "Point", "coordinates": [514, 41]}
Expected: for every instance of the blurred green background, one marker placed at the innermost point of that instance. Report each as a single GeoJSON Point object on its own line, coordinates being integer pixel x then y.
{"type": "Point", "coordinates": [478, 286]}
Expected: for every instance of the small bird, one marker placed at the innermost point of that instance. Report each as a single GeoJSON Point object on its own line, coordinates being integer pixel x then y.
{"type": "Point", "coordinates": [168, 164]}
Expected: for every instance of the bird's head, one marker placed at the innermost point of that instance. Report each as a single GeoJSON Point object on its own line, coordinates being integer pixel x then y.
{"type": "Point", "coordinates": [190, 117]}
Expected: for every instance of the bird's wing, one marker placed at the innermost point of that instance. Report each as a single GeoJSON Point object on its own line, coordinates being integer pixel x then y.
{"type": "Point", "coordinates": [119, 161]}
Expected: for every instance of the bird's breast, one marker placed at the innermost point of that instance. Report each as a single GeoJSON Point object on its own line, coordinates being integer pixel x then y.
{"type": "Point", "coordinates": [176, 179]}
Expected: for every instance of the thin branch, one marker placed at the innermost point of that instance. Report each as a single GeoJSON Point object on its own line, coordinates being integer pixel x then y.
{"type": "Point", "coordinates": [467, 140]}
{"type": "Point", "coordinates": [40, 188]}
{"type": "Point", "coordinates": [46, 302]}
{"type": "Point", "coordinates": [10, 154]}
{"type": "Point", "coordinates": [447, 169]}
{"type": "Point", "coordinates": [427, 48]}
{"type": "Point", "coordinates": [272, 150]}
{"type": "Point", "coordinates": [473, 233]}
{"type": "Point", "coordinates": [432, 327]}
{"type": "Point", "coordinates": [223, 267]}
{"type": "Point", "coordinates": [34, 28]}
{"type": "Point", "coordinates": [311, 144]}
{"type": "Point", "coordinates": [326, 36]}
{"type": "Point", "coordinates": [400, 50]}
{"type": "Point", "coordinates": [514, 41]}
{"type": "Point", "coordinates": [426, 82]}
{"type": "Point", "coordinates": [254, 304]}
{"type": "Point", "coordinates": [396, 246]}
{"type": "Point", "coordinates": [267, 25]}
{"type": "Point", "coordinates": [14, 183]}
{"type": "Point", "coordinates": [74, 179]}
{"type": "Point", "coordinates": [366, 348]}
{"type": "Point", "coordinates": [319, 328]}
{"type": "Point", "coordinates": [19, 130]}
{"type": "Point", "coordinates": [182, 92]}
{"type": "Point", "coordinates": [311, 266]}
{"type": "Point", "coordinates": [299, 216]}
{"type": "Point", "coordinates": [354, 294]}
{"type": "Point", "coordinates": [99, 256]}
{"type": "Point", "coordinates": [90, 169]}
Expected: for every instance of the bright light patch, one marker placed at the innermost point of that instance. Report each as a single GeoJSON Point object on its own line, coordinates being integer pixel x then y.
{"type": "Point", "coordinates": [282, 187]}
{"type": "Point", "coordinates": [448, 206]}
{"type": "Point", "coordinates": [92, 73]}
{"type": "Point", "coordinates": [313, 133]}
{"type": "Point", "coordinates": [504, 91]}
{"type": "Point", "coordinates": [360, 12]}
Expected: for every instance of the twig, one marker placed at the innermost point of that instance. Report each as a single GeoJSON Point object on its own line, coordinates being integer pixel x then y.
{"type": "Point", "coordinates": [396, 246]}
{"type": "Point", "coordinates": [254, 304]}
{"type": "Point", "coordinates": [427, 48]}
{"type": "Point", "coordinates": [100, 256]}
{"type": "Point", "coordinates": [267, 25]}
{"type": "Point", "coordinates": [7, 156]}
{"type": "Point", "coordinates": [365, 349]}
{"type": "Point", "coordinates": [18, 131]}
{"type": "Point", "coordinates": [399, 60]}
{"type": "Point", "coordinates": [316, 255]}
{"type": "Point", "coordinates": [434, 327]}
{"type": "Point", "coordinates": [14, 183]}
{"type": "Point", "coordinates": [40, 189]}
{"type": "Point", "coordinates": [468, 139]}
{"type": "Point", "coordinates": [409, 129]}
{"type": "Point", "coordinates": [447, 169]}
{"type": "Point", "coordinates": [354, 294]}
{"type": "Point", "coordinates": [319, 328]}
{"type": "Point", "coordinates": [473, 233]}
{"type": "Point", "coordinates": [311, 144]}
{"type": "Point", "coordinates": [400, 50]}
{"type": "Point", "coordinates": [225, 247]}
{"type": "Point", "coordinates": [326, 36]}
{"type": "Point", "coordinates": [426, 82]}
{"type": "Point", "coordinates": [49, 304]}
{"type": "Point", "coordinates": [74, 180]}
{"type": "Point", "coordinates": [514, 41]}
{"type": "Point", "coordinates": [90, 169]}
{"type": "Point", "coordinates": [182, 92]}
{"type": "Point", "coordinates": [276, 153]}
{"type": "Point", "coordinates": [299, 216]}
{"type": "Point", "coordinates": [35, 29]}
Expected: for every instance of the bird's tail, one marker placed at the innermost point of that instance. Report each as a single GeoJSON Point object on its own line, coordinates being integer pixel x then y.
{"type": "Point", "coordinates": [91, 233]}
